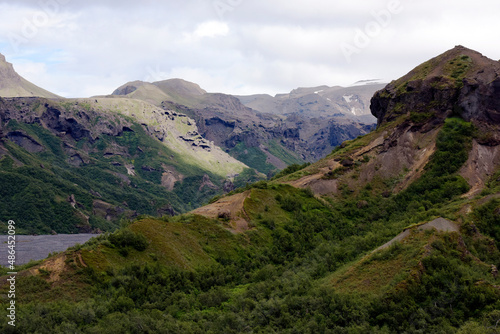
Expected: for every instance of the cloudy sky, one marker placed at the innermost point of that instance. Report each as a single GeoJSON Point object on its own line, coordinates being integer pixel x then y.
{"type": "Point", "coordinates": [80, 48]}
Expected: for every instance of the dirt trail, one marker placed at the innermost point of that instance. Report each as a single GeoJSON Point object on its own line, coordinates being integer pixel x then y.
{"type": "Point", "coordinates": [231, 207]}
{"type": "Point", "coordinates": [440, 224]}
{"type": "Point", "coordinates": [81, 260]}
{"type": "Point", "coordinates": [316, 182]}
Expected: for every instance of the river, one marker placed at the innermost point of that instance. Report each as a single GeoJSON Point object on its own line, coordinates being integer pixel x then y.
{"type": "Point", "coordinates": [38, 247]}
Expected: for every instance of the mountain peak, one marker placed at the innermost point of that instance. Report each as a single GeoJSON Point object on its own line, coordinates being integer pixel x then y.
{"type": "Point", "coordinates": [13, 85]}
{"type": "Point", "coordinates": [180, 86]}
{"type": "Point", "coordinates": [459, 82]}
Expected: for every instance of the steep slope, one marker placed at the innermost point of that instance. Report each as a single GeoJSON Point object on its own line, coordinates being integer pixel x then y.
{"type": "Point", "coordinates": [83, 164]}
{"type": "Point", "coordinates": [381, 239]}
{"type": "Point", "coordinates": [70, 165]}
{"type": "Point", "coordinates": [411, 112]}
{"type": "Point", "coordinates": [13, 85]}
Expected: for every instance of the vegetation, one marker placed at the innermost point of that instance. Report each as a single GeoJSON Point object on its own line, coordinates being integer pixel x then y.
{"type": "Point", "coordinates": [306, 266]}
{"type": "Point", "coordinates": [253, 157]}
{"type": "Point", "coordinates": [290, 169]}
{"type": "Point", "coordinates": [440, 182]}
{"type": "Point", "coordinates": [122, 173]}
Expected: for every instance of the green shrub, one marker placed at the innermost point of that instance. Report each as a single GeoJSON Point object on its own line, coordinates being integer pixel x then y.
{"type": "Point", "coordinates": [126, 238]}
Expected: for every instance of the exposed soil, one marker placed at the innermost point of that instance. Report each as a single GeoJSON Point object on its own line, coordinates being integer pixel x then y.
{"type": "Point", "coordinates": [417, 168]}
{"type": "Point", "coordinates": [481, 165]}
{"type": "Point", "coordinates": [55, 267]}
{"type": "Point", "coordinates": [230, 208]}
{"type": "Point", "coordinates": [318, 185]}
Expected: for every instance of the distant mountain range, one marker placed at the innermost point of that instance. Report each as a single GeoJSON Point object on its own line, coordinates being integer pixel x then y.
{"type": "Point", "coordinates": [318, 101]}
{"type": "Point", "coordinates": [265, 132]}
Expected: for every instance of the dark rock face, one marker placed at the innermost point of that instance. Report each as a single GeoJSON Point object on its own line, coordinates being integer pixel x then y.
{"type": "Point", "coordinates": [481, 100]}
{"type": "Point", "coordinates": [216, 129]}
{"type": "Point", "coordinates": [109, 211]}
{"type": "Point", "coordinates": [25, 141]}
{"type": "Point", "coordinates": [459, 82]}
{"type": "Point", "coordinates": [291, 133]}
{"type": "Point", "coordinates": [166, 210]}
{"type": "Point", "coordinates": [340, 133]}
{"type": "Point", "coordinates": [77, 123]}
{"type": "Point", "coordinates": [125, 90]}
{"type": "Point", "coordinates": [228, 186]}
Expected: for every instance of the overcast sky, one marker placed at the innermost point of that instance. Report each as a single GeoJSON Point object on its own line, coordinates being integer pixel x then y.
{"type": "Point", "coordinates": [80, 48]}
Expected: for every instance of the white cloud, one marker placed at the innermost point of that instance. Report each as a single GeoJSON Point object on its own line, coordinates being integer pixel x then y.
{"type": "Point", "coordinates": [259, 46]}
{"type": "Point", "coordinates": [211, 29]}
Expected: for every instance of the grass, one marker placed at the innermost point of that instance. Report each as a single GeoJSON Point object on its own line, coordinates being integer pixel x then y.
{"type": "Point", "coordinates": [263, 207]}
{"type": "Point", "coordinates": [188, 243]}
{"type": "Point", "coordinates": [457, 69]}
{"type": "Point", "coordinates": [50, 177]}
{"type": "Point", "coordinates": [252, 157]}
{"type": "Point", "coordinates": [384, 270]}
{"type": "Point", "coordinates": [283, 154]}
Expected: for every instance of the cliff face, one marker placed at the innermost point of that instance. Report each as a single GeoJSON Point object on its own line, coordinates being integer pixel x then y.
{"type": "Point", "coordinates": [459, 82]}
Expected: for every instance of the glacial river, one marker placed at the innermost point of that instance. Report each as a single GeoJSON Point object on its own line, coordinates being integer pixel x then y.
{"type": "Point", "coordinates": [38, 247]}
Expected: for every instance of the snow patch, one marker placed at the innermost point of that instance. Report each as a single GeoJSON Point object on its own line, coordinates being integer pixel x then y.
{"type": "Point", "coordinates": [348, 98]}
{"type": "Point", "coordinates": [356, 111]}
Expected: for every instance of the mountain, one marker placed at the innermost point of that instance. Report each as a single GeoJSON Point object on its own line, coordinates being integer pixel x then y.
{"type": "Point", "coordinates": [264, 138]}
{"type": "Point", "coordinates": [459, 83]}
{"type": "Point", "coordinates": [393, 232]}
{"type": "Point", "coordinates": [319, 101]}
{"type": "Point", "coordinates": [13, 85]}
{"type": "Point", "coordinates": [175, 90]}
{"type": "Point", "coordinates": [82, 165]}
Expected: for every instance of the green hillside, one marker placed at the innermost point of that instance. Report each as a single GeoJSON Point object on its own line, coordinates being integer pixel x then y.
{"type": "Point", "coordinates": [305, 265]}
{"type": "Point", "coordinates": [82, 167]}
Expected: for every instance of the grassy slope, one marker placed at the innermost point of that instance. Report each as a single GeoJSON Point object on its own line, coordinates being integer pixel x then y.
{"type": "Point", "coordinates": [216, 161]}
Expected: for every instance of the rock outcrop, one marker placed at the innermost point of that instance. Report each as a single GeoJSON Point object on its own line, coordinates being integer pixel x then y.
{"type": "Point", "coordinates": [459, 82]}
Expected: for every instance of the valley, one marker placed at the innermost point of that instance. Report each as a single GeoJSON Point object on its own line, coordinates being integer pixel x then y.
{"type": "Point", "coordinates": [393, 231]}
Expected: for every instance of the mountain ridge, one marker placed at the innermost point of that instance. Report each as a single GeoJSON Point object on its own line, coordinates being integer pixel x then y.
{"type": "Point", "coordinates": [13, 85]}
{"type": "Point", "coordinates": [82, 165]}
{"type": "Point", "coordinates": [318, 101]}
{"type": "Point", "coordinates": [245, 133]}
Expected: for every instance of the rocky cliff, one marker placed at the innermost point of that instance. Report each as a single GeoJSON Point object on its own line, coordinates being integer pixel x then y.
{"type": "Point", "coordinates": [459, 82]}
